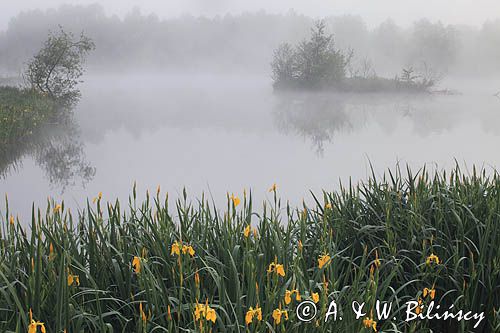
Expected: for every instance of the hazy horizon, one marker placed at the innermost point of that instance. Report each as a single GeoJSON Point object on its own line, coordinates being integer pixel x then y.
{"type": "Point", "coordinates": [403, 13]}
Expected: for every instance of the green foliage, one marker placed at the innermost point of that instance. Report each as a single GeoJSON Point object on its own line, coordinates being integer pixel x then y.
{"type": "Point", "coordinates": [52, 76]}
{"type": "Point", "coordinates": [56, 69]}
{"type": "Point", "coordinates": [313, 63]}
{"type": "Point", "coordinates": [22, 113]}
{"type": "Point", "coordinates": [317, 64]}
{"type": "Point", "coordinates": [32, 124]}
{"type": "Point", "coordinates": [399, 220]}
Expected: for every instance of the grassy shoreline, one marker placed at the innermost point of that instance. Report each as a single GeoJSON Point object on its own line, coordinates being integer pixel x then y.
{"type": "Point", "coordinates": [152, 267]}
{"type": "Point", "coordinates": [360, 85]}
{"type": "Point", "coordinates": [23, 113]}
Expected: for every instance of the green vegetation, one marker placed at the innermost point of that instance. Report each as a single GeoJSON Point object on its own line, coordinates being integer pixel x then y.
{"type": "Point", "coordinates": [316, 64]}
{"type": "Point", "coordinates": [33, 124]}
{"type": "Point", "coordinates": [23, 113]}
{"type": "Point", "coordinates": [312, 64]}
{"type": "Point", "coordinates": [30, 116]}
{"type": "Point", "coordinates": [151, 267]}
{"type": "Point", "coordinates": [56, 69]}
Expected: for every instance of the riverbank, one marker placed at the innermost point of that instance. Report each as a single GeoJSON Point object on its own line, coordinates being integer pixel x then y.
{"type": "Point", "coordinates": [22, 114]}
{"type": "Point", "coordinates": [420, 237]}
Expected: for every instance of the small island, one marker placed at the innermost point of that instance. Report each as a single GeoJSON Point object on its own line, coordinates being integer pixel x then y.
{"type": "Point", "coordinates": [316, 64]}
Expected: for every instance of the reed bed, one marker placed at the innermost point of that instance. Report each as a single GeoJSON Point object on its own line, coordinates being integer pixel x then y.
{"type": "Point", "coordinates": [152, 267]}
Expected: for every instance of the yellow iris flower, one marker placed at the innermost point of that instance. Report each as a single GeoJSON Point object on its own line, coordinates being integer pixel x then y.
{"type": "Point", "coordinates": [370, 323]}
{"type": "Point", "coordinates": [247, 231]}
{"type": "Point", "coordinates": [204, 311]}
{"type": "Point", "coordinates": [432, 258]}
{"type": "Point", "coordinates": [33, 326]}
{"type": "Point", "coordinates": [289, 294]}
{"type": "Point", "coordinates": [73, 279]}
{"type": "Point", "coordinates": [187, 249]}
{"type": "Point", "coordinates": [418, 309]}
{"type": "Point", "coordinates": [236, 201]}
{"type": "Point", "coordinates": [277, 314]}
{"type": "Point", "coordinates": [136, 264]}
{"type": "Point", "coordinates": [323, 260]}
{"type": "Point", "coordinates": [253, 313]}
{"type": "Point", "coordinates": [99, 197]}
{"type": "Point", "coordinates": [430, 292]}
{"type": "Point", "coordinates": [277, 268]}
{"type": "Point", "coordinates": [178, 247]}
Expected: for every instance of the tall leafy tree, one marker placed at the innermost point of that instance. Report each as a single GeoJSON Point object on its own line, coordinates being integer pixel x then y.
{"type": "Point", "coordinates": [56, 69]}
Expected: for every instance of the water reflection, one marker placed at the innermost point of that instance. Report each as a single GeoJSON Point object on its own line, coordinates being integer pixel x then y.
{"type": "Point", "coordinates": [189, 131]}
{"type": "Point", "coordinates": [57, 150]}
{"type": "Point", "coordinates": [314, 116]}
{"type": "Point", "coordinates": [320, 117]}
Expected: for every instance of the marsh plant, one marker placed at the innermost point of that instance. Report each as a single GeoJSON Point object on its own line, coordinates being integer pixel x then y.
{"type": "Point", "coordinates": [152, 267]}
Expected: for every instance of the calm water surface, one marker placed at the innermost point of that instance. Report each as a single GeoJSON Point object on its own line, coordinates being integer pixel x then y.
{"type": "Point", "coordinates": [224, 133]}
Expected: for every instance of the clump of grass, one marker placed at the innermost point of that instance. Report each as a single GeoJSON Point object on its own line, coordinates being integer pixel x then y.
{"type": "Point", "coordinates": [193, 267]}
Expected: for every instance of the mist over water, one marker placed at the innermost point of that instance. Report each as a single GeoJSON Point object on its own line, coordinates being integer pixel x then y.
{"type": "Point", "coordinates": [188, 102]}
{"type": "Point", "coordinates": [225, 133]}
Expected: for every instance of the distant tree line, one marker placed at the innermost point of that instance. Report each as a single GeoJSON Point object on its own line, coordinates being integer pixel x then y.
{"type": "Point", "coordinates": [247, 41]}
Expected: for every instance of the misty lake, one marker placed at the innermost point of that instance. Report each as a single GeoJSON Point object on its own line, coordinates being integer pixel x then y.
{"type": "Point", "coordinates": [225, 133]}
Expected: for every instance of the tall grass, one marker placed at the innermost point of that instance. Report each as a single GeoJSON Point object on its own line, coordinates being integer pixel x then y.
{"type": "Point", "coordinates": [116, 269]}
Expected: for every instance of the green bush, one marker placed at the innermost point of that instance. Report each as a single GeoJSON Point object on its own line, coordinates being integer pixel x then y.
{"type": "Point", "coordinates": [312, 64]}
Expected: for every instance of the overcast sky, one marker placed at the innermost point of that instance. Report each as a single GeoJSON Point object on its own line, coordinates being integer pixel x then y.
{"type": "Point", "coordinates": [404, 12]}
